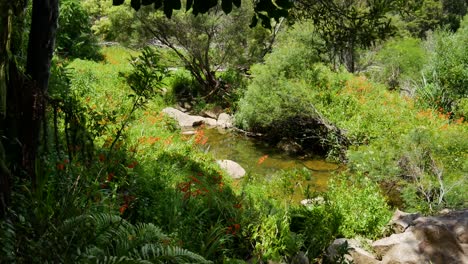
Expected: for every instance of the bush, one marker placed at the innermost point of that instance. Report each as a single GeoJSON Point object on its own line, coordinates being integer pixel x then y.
{"type": "Point", "coordinates": [446, 75]}
{"type": "Point", "coordinates": [399, 62]}
{"type": "Point", "coordinates": [74, 35]}
{"type": "Point", "coordinates": [363, 208]}
{"type": "Point", "coordinates": [280, 100]}
{"type": "Point", "coordinates": [317, 226]}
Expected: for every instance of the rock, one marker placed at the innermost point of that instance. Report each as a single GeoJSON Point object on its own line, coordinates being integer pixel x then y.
{"type": "Point", "coordinates": [300, 258]}
{"type": "Point", "coordinates": [185, 120]}
{"type": "Point", "coordinates": [225, 120]}
{"type": "Point", "coordinates": [213, 112]}
{"type": "Point", "coordinates": [189, 132]}
{"type": "Point", "coordinates": [403, 254]}
{"type": "Point", "coordinates": [382, 246]}
{"type": "Point", "coordinates": [454, 221]}
{"type": "Point", "coordinates": [232, 168]}
{"type": "Point", "coordinates": [355, 253]}
{"type": "Point", "coordinates": [210, 122]}
{"type": "Point", "coordinates": [434, 239]}
{"type": "Point", "coordinates": [289, 146]}
{"type": "Point", "coordinates": [401, 221]}
{"type": "Point", "coordinates": [438, 244]}
{"type": "Point", "coordinates": [314, 201]}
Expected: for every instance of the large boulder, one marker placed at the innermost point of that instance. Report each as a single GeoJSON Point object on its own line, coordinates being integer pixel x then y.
{"type": "Point", "coordinates": [210, 122]}
{"type": "Point", "coordinates": [406, 240]}
{"type": "Point", "coordinates": [232, 168]}
{"type": "Point", "coordinates": [356, 253]}
{"type": "Point", "coordinates": [184, 120]}
{"type": "Point", "coordinates": [434, 239]}
{"type": "Point", "coordinates": [225, 120]}
{"type": "Point", "coordinates": [403, 254]}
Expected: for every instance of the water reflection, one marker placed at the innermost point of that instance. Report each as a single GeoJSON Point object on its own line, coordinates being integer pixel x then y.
{"type": "Point", "coordinates": [247, 151]}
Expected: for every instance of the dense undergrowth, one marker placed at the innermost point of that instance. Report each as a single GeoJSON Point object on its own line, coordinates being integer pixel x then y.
{"type": "Point", "coordinates": [156, 195]}
{"type": "Point", "coordinates": [121, 184]}
{"type": "Point", "coordinates": [396, 139]}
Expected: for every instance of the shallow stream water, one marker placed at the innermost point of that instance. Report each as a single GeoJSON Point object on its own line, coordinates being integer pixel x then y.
{"type": "Point", "coordinates": [248, 152]}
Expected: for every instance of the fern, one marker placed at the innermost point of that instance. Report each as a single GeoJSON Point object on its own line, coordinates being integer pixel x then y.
{"type": "Point", "coordinates": [117, 241]}
{"type": "Point", "coordinates": [7, 241]}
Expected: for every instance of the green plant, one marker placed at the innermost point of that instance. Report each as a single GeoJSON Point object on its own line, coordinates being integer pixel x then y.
{"type": "Point", "coordinates": [446, 74]}
{"type": "Point", "coordinates": [363, 208]}
{"type": "Point", "coordinates": [399, 63]}
{"type": "Point", "coordinates": [74, 36]}
{"type": "Point", "coordinates": [317, 226]}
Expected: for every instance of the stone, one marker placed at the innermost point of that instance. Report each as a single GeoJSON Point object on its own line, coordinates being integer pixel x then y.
{"type": "Point", "coordinates": [382, 246]}
{"type": "Point", "coordinates": [212, 112]}
{"type": "Point", "coordinates": [185, 120]}
{"type": "Point", "coordinates": [455, 221]}
{"type": "Point", "coordinates": [401, 221]}
{"type": "Point", "coordinates": [300, 258]}
{"type": "Point", "coordinates": [438, 244]}
{"type": "Point", "coordinates": [232, 168]}
{"type": "Point", "coordinates": [289, 146]}
{"type": "Point", "coordinates": [403, 254]}
{"type": "Point", "coordinates": [210, 122]}
{"type": "Point", "coordinates": [225, 120]}
{"type": "Point", "coordinates": [189, 132]}
{"type": "Point", "coordinates": [356, 254]}
{"type": "Point", "coordinates": [319, 200]}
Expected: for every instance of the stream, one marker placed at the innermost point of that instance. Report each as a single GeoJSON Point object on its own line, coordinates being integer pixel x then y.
{"type": "Point", "coordinates": [247, 151]}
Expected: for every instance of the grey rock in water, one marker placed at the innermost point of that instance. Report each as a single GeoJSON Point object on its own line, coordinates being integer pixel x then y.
{"type": "Point", "coordinates": [184, 120]}
{"type": "Point", "coordinates": [232, 168]}
{"type": "Point", "coordinates": [225, 121]}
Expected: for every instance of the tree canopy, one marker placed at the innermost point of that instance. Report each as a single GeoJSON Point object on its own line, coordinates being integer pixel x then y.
{"type": "Point", "coordinates": [265, 10]}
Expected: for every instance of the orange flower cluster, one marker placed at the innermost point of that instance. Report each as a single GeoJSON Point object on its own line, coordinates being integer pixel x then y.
{"type": "Point", "coordinates": [193, 187]}
{"type": "Point", "coordinates": [148, 140]}
{"type": "Point", "coordinates": [233, 229]}
{"type": "Point", "coordinates": [132, 165]}
{"type": "Point", "coordinates": [128, 199]}
{"type": "Point", "coordinates": [200, 137]}
{"type": "Point", "coordinates": [61, 165]}
{"type": "Point", "coordinates": [425, 114]}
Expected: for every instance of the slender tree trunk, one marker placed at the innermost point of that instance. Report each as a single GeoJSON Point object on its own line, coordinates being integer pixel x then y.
{"type": "Point", "coordinates": [5, 177]}
{"type": "Point", "coordinates": [40, 51]}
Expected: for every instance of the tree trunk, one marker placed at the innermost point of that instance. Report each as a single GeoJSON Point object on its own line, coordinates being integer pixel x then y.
{"type": "Point", "coordinates": [40, 51]}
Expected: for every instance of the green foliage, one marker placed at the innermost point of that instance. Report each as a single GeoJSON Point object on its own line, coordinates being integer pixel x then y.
{"type": "Point", "coordinates": [184, 86]}
{"type": "Point", "coordinates": [275, 92]}
{"type": "Point", "coordinates": [209, 42]}
{"type": "Point", "coordinates": [74, 36]}
{"type": "Point", "coordinates": [317, 226]}
{"type": "Point", "coordinates": [265, 10]}
{"type": "Point", "coordinates": [422, 17]}
{"type": "Point", "coordinates": [147, 75]}
{"type": "Point", "coordinates": [346, 26]}
{"type": "Point", "coordinates": [363, 208]}
{"type": "Point", "coordinates": [399, 62]}
{"type": "Point", "coordinates": [446, 74]}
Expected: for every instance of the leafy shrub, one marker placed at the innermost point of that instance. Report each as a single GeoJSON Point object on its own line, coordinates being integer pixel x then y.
{"type": "Point", "coordinates": [363, 208]}
{"type": "Point", "coordinates": [74, 35]}
{"type": "Point", "coordinates": [399, 62]}
{"type": "Point", "coordinates": [184, 87]}
{"type": "Point", "coordinates": [317, 226]}
{"type": "Point", "coordinates": [446, 74]}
